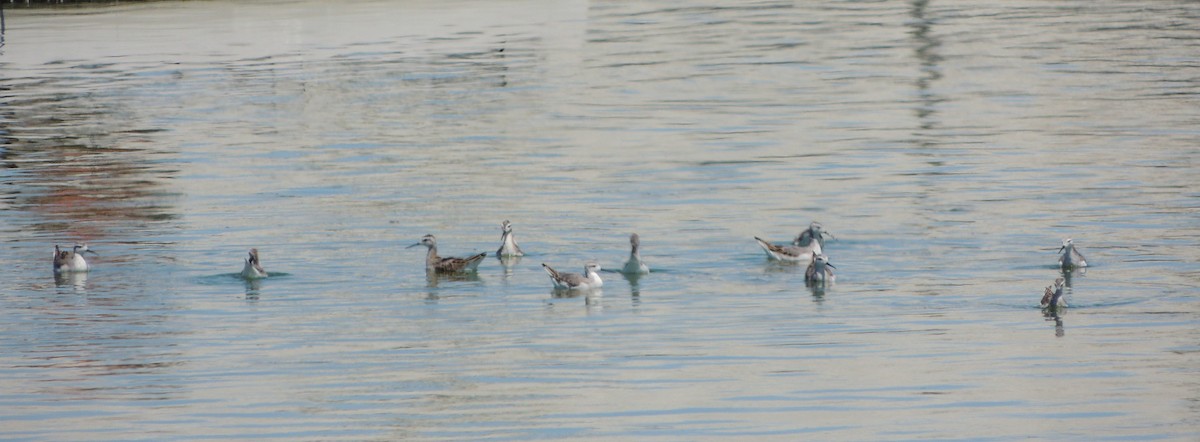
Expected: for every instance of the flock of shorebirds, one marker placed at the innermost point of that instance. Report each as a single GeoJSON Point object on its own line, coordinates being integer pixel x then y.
{"type": "Point", "coordinates": [807, 247]}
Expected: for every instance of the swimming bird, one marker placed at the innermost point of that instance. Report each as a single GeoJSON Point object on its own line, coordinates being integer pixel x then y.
{"type": "Point", "coordinates": [508, 244]}
{"type": "Point", "coordinates": [814, 231]}
{"type": "Point", "coordinates": [819, 270]}
{"type": "Point", "coordinates": [1071, 257]}
{"type": "Point", "coordinates": [72, 260]}
{"type": "Point", "coordinates": [1053, 297]}
{"type": "Point", "coordinates": [590, 278]}
{"type": "Point", "coordinates": [635, 265]}
{"type": "Point", "coordinates": [794, 252]}
{"type": "Point", "coordinates": [446, 265]}
{"type": "Point", "coordinates": [253, 268]}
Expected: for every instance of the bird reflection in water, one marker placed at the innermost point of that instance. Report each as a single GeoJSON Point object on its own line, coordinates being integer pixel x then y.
{"type": "Point", "coordinates": [433, 278]}
{"type": "Point", "coordinates": [590, 296]}
{"type": "Point", "coordinates": [508, 263]}
{"type": "Point", "coordinates": [593, 302]}
{"type": "Point", "coordinates": [635, 289]}
{"type": "Point", "coordinates": [1053, 314]}
{"type": "Point", "coordinates": [253, 286]}
{"type": "Point", "coordinates": [78, 280]}
{"type": "Point", "coordinates": [1068, 274]}
{"type": "Point", "coordinates": [818, 290]}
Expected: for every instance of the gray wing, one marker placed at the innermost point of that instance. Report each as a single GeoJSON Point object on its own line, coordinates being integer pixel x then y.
{"type": "Point", "coordinates": [457, 264]}
{"type": "Point", "coordinates": [792, 251]}
{"type": "Point", "coordinates": [572, 279]}
{"type": "Point", "coordinates": [567, 279]}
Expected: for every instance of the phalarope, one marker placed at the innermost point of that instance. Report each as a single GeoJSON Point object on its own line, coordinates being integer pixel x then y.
{"type": "Point", "coordinates": [253, 268]}
{"type": "Point", "coordinates": [820, 269]}
{"type": "Point", "coordinates": [508, 244]}
{"type": "Point", "coordinates": [1053, 296]}
{"type": "Point", "coordinates": [814, 231]}
{"type": "Point", "coordinates": [446, 265]}
{"type": "Point", "coordinates": [71, 261]}
{"type": "Point", "coordinates": [1071, 257]}
{"type": "Point", "coordinates": [590, 278]}
{"type": "Point", "coordinates": [635, 264]}
{"type": "Point", "coordinates": [794, 252]}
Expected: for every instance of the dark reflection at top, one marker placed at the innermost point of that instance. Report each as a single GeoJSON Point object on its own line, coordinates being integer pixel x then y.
{"type": "Point", "coordinates": [925, 49]}
{"type": "Point", "coordinates": [78, 159]}
{"type": "Point", "coordinates": [3, 28]}
{"type": "Point", "coordinates": [926, 138]}
{"type": "Point", "coordinates": [73, 164]}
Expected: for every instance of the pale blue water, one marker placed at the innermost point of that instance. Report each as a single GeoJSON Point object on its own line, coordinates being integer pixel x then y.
{"type": "Point", "coordinates": [949, 147]}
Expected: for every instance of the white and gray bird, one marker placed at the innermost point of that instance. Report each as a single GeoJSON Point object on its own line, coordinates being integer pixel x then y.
{"type": "Point", "coordinates": [635, 265]}
{"type": "Point", "coordinates": [819, 270]}
{"type": "Point", "coordinates": [802, 249]}
{"type": "Point", "coordinates": [791, 252]}
{"type": "Point", "coordinates": [70, 261]}
{"type": "Point", "coordinates": [1070, 257]}
{"type": "Point", "coordinates": [508, 244]}
{"type": "Point", "coordinates": [253, 268]}
{"type": "Point", "coordinates": [590, 278]}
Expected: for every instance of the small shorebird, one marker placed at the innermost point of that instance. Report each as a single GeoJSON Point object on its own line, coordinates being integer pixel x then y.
{"type": "Point", "coordinates": [635, 265]}
{"type": "Point", "coordinates": [253, 268]}
{"type": "Point", "coordinates": [590, 278]}
{"type": "Point", "coordinates": [794, 252]}
{"type": "Point", "coordinates": [820, 270]}
{"type": "Point", "coordinates": [1053, 296]}
{"type": "Point", "coordinates": [446, 265]}
{"type": "Point", "coordinates": [1071, 257]}
{"type": "Point", "coordinates": [508, 244]}
{"type": "Point", "coordinates": [814, 231]}
{"type": "Point", "coordinates": [71, 261]}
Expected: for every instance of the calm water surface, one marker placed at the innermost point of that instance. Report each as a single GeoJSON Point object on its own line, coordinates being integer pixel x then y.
{"type": "Point", "coordinates": [949, 146]}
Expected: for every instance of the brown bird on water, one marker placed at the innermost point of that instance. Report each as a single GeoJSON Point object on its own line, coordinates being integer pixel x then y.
{"type": "Point", "coordinates": [446, 265]}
